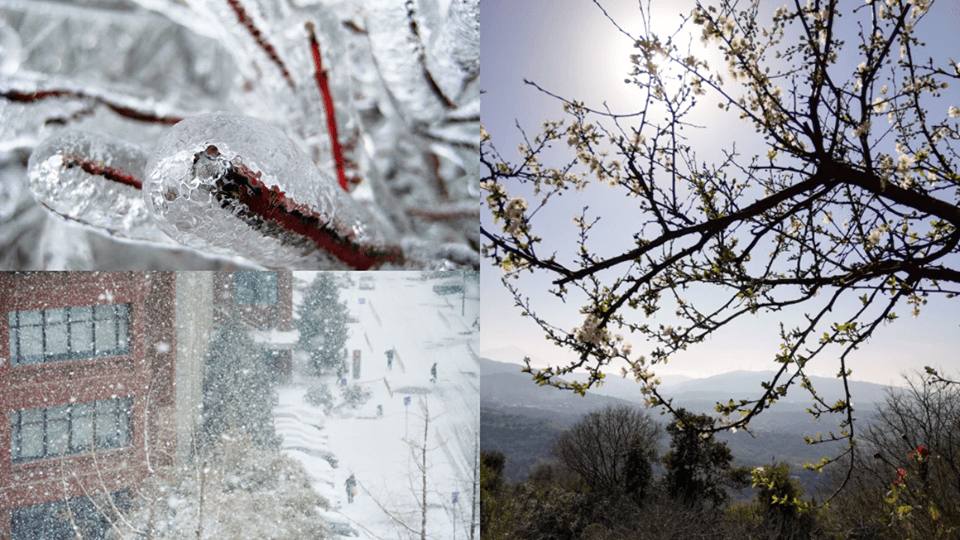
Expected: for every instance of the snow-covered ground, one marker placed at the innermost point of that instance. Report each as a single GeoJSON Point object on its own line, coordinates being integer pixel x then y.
{"type": "Point", "coordinates": [405, 314]}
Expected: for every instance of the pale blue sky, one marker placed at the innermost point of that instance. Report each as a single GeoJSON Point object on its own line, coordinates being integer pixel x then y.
{"type": "Point", "coordinates": [569, 48]}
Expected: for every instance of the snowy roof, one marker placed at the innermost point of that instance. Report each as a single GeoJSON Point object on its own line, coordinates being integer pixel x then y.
{"type": "Point", "coordinates": [276, 337]}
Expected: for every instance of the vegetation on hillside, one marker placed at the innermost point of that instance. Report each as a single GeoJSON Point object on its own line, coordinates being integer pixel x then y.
{"type": "Point", "coordinates": [906, 486]}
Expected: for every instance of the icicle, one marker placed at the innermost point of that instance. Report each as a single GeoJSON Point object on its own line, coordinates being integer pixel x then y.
{"type": "Point", "coordinates": [396, 39]}
{"type": "Point", "coordinates": [94, 179]}
{"type": "Point", "coordinates": [453, 56]}
{"type": "Point", "coordinates": [13, 180]}
{"type": "Point", "coordinates": [11, 49]}
{"type": "Point", "coordinates": [233, 184]}
{"type": "Point", "coordinates": [65, 247]}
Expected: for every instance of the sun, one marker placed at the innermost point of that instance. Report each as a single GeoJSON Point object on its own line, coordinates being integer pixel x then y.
{"type": "Point", "coordinates": [635, 40]}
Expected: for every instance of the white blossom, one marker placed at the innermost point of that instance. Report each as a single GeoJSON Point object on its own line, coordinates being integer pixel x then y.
{"type": "Point", "coordinates": [876, 234]}
{"type": "Point", "coordinates": [513, 214]}
{"type": "Point", "coordinates": [904, 162]}
{"type": "Point", "coordinates": [862, 130]}
{"type": "Point", "coordinates": [591, 332]}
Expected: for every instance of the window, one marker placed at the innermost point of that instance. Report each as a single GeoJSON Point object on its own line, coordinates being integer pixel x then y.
{"type": "Point", "coordinates": [52, 521]}
{"type": "Point", "coordinates": [256, 287]}
{"type": "Point", "coordinates": [55, 335]}
{"type": "Point", "coordinates": [70, 429]}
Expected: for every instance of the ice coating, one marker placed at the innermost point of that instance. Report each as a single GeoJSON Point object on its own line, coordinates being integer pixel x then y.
{"type": "Point", "coordinates": [408, 140]}
{"type": "Point", "coordinates": [396, 40]}
{"type": "Point", "coordinates": [453, 54]}
{"type": "Point", "coordinates": [232, 184]}
{"type": "Point", "coordinates": [11, 50]}
{"type": "Point", "coordinates": [94, 179]}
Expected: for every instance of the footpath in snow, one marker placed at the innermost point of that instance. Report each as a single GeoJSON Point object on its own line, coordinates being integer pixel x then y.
{"type": "Point", "coordinates": [402, 313]}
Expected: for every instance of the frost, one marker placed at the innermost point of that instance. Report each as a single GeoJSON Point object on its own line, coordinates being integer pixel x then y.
{"type": "Point", "coordinates": [229, 183]}
{"type": "Point", "coordinates": [380, 97]}
{"type": "Point", "coordinates": [93, 179]}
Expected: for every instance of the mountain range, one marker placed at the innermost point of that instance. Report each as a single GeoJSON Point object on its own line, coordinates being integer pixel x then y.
{"type": "Point", "coordinates": [522, 419]}
{"type": "Point", "coordinates": [508, 382]}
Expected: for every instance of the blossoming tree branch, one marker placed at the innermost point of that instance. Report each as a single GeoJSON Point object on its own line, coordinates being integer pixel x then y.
{"type": "Point", "coordinates": [849, 213]}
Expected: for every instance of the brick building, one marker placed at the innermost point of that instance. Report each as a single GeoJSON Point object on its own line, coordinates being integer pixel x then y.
{"type": "Point", "coordinates": [101, 376]}
{"type": "Point", "coordinates": [264, 301]}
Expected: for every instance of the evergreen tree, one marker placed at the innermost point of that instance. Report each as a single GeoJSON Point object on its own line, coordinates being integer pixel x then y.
{"type": "Point", "coordinates": [637, 468]}
{"type": "Point", "coordinates": [322, 323]}
{"type": "Point", "coordinates": [238, 391]}
{"type": "Point", "coordinates": [697, 465]}
{"type": "Point", "coordinates": [779, 501]}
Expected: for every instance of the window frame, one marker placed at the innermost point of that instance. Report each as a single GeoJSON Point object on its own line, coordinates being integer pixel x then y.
{"type": "Point", "coordinates": [82, 417]}
{"type": "Point", "coordinates": [69, 333]}
{"type": "Point", "coordinates": [256, 287]}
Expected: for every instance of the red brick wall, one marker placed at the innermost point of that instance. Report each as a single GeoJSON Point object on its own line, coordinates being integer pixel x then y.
{"type": "Point", "coordinates": [145, 374]}
{"type": "Point", "coordinates": [260, 316]}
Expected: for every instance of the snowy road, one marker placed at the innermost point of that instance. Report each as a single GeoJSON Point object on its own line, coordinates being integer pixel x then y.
{"type": "Point", "coordinates": [424, 329]}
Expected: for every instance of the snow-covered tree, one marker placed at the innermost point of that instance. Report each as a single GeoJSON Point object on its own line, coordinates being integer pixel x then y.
{"type": "Point", "coordinates": [238, 391]}
{"type": "Point", "coordinates": [322, 322]}
{"type": "Point", "coordinates": [244, 491]}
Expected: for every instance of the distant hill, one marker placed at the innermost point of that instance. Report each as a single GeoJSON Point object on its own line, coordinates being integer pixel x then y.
{"type": "Point", "coordinates": [613, 385]}
{"type": "Point", "coordinates": [524, 440]}
{"type": "Point", "coordinates": [732, 385]}
{"type": "Point", "coordinates": [746, 385]}
{"type": "Point", "coordinates": [492, 367]}
{"type": "Point", "coordinates": [505, 388]}
{"type": "Point", "coordinates": [523, 419]}
{"type": "Point", "coordinates": [511, 355]}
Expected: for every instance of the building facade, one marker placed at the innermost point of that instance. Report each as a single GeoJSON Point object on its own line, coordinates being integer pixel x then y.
{"type": "Point", "coordinates": [261, 299]}
{"type": "Point", "coordinates": [101, 378]}
{"type": "Point", "coordinates": [86, 388]}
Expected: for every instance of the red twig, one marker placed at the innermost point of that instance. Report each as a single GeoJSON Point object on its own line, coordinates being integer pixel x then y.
{"type": "Point", "coordinates": [98, 168]}
{"type": "Point", "coordinates": [273, 205]}
{"type": "Point", "coordinates": [324, 86]}
{"type": "Point", "coordinates": [444, 215]}
{"type": "Point", "coordinates": [438, 178]}
{"type": "Point", "coordinates": [247, 22]}
{"type": "Point", "coordinates": [122, 110]}
{"type": "Point", "coordinates": [415, 30]}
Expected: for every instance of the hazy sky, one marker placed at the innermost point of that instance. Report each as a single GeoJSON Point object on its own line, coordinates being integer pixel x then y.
{"type": "Point", "coordinates": [570, 48]}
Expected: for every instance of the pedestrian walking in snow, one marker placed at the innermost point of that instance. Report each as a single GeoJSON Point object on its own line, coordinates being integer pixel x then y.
{"type": "Point", "coordinates": [433, 372]}
{"type": "Point", "coordinates": [390, 359]}
{"type": "Point", "coordinates": [351, 484]}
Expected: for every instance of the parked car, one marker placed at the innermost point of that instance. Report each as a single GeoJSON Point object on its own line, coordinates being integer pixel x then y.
{"type": "Point", "coordinates": [448, 288]}
{"type": "Point", "coordinates": [345, 281]}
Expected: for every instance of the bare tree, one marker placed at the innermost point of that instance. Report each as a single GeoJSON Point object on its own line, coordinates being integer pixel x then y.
{"type": "Point", "coordinates": [598, 447]}
{"type": "Point", "coordinates": [419, 487]}
{"type": "Point", "coordinates": [911, 463]}
{"type": "Point", "coordinates": [848, 214]}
